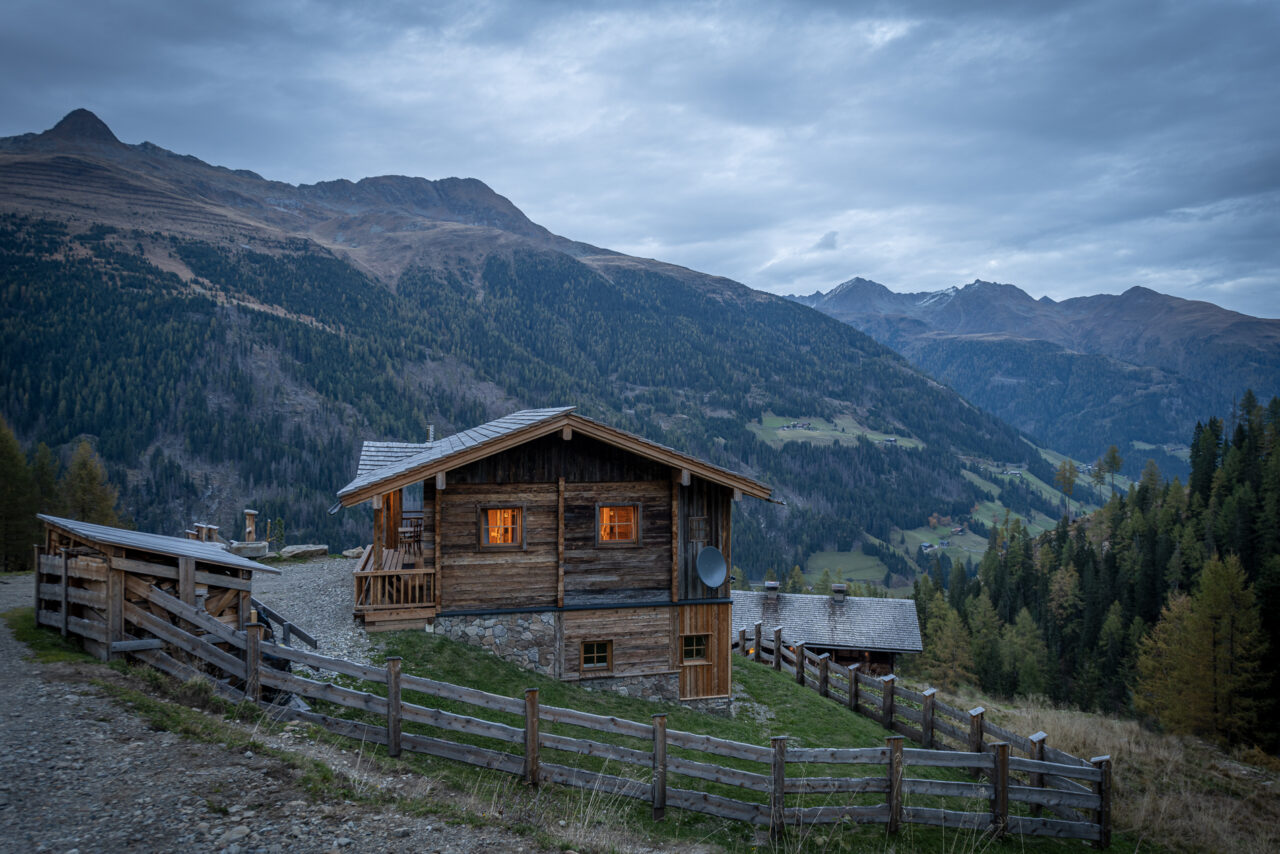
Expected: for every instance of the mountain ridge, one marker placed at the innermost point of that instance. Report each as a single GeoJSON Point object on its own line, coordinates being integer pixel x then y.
{"type": "Point", "coordinates": [240, 336]}
{"type": "Point", "coordinates": [1032, 362]}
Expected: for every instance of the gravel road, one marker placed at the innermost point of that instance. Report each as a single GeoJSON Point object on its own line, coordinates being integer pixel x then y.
{"type": "Point", "coordinates": [82, 773]}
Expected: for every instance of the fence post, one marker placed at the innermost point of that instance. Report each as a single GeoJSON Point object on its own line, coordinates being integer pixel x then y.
{"type": "Point", "coordinates": [39, 573]}
{"type": "Point", "coordinates": [531, 736]}
{"type": "Point", "coordinates": [886, 701]}
{"type": "Point", "coordinates": [1036, 778]}
{"type": "Point", "coordinates": [756, 653]}
{"type": "Point", "coordinates": [777, 648]}
{"type": "Point", "coordinates": [1000, 790]}
{"type": "Point", "coordinates": [393, 705]}
{"type": "Point", "coordinates": [1103, 790]}
{"type": "Point", "coordinates": [777, 785]}
{"type": "Point", "coordinates": [659, 793]}
{"type": "Point", "coordinates": [800, 680]}
{"type": "Point", "coordinates": [65, 569]}
{"type": "Point", "coordinates": [253, 661]}
{"type": "Point", "coordinates": [853, 686]}
{"type": "Point", "coordinates": [926, 718]}
{"type": "Point", "coordinates": [824, 674]}
{"type": "Point", "coordinates": [895, 781]}
{"type": "Point", "coordinates": [975, 733]}
{"type": "Point", "coordinates": [742, 642]}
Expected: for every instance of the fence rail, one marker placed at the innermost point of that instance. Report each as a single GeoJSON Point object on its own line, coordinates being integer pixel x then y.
{"type": "Point", "coordinates": [945, 730]}
{"type": "Point", "coordinates": [779, 786]}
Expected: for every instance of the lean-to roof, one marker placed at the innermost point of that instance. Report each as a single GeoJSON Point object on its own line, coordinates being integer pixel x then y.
{"type": "Point", "coordinates": [154, 543]}
{"type": "Point", "coordinates": [884, 625]}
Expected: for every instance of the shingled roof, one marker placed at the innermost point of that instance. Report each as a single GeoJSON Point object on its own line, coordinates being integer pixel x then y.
{"type": "Point", "coordinates": [508, 431]}
{"type": "Point", "coordinates": [881, 625]}
{"type": "Point", "coordinates": [376, 455]}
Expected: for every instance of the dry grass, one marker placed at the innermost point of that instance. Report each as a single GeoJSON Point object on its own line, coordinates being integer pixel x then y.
{"type": "Point", "coordinates": [1176, 792]}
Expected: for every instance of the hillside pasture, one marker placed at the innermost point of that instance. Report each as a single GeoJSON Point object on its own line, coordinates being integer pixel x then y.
{"type": "Point", "coordinates": [777, 430]}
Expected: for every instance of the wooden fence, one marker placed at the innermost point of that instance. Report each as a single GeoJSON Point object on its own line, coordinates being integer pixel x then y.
{"type": "Point", "coordinates": [779, 786]}
{"type": "Point", "coordinates": [935, 725]}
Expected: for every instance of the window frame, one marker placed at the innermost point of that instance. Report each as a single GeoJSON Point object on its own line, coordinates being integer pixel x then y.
{"type": "Point", "coordinates": [685, 660]}
{"type": "Point", "coordinates": [591, 670]}
{"type": "Point", "coordinates": [618, 544]}
{"type": "Point", "coordinates": [482, 528]}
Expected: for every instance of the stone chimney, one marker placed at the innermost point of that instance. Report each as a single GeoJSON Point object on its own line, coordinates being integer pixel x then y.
{"type": "Point", "coordinates": [837, 592]}
{"type": "Point", "coordinates": [771, 589]}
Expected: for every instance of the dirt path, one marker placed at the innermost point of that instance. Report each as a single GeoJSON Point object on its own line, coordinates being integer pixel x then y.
{"type": "Point", "coordinates": [81, 773]}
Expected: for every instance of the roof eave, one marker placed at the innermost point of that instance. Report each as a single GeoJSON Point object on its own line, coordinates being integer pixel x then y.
{"type": "Point", "coordinates": [350, 497]}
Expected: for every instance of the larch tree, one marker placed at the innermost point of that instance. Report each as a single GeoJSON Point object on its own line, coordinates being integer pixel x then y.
{"type": "Point", "coordinates": [947, 656]}
{"type": "Point", "coordinates": [87, 495]}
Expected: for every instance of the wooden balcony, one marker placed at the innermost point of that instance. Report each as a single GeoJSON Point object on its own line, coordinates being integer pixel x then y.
{"type": "Point", "coordinates": [399, 594]}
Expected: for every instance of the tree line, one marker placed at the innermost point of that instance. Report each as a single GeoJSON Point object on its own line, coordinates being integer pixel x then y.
{"type": "Point", "coordinates": [1163, 603]}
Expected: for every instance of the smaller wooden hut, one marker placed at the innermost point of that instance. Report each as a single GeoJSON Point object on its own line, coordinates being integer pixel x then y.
{"type": "Point", "coordinates": [85, 575]}
{"type": "Point", "coordinates": [853, 629]}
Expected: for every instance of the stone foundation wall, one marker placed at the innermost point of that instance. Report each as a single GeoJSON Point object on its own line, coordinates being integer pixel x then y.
{"type": "Point", "coordinates": [527, 639]}
{"type": "Point", "coordinates": [722, 706]}
{"type": "Point", "coordinates": [659, 688]}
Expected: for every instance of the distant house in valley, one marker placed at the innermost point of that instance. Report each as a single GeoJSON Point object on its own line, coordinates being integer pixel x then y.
{"type": "Point", "coordinates": [853, 629]}
{"type": "Point", "coordinates": [558, 542]}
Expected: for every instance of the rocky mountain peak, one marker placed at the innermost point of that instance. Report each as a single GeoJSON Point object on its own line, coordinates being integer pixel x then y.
{"type": "Point", "coordinates": [82, 126]}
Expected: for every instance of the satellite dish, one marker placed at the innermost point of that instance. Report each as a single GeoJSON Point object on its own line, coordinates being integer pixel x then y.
{"type": "Point", "coordinates": [712, 569]}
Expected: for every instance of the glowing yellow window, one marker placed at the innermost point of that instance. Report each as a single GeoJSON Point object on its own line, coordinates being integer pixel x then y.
{"type": "Point", "coordinates": [618, 524]}
{"type": "Point", "coordinates": [502, 526]}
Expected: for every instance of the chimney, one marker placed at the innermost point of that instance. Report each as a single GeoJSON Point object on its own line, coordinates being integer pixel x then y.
{"type": "Point", "coordinates": [837, 592]}
{"type": "Point", "coordinates": [250, 525]}
{"type": "Point", "coordinates": [771, 589]}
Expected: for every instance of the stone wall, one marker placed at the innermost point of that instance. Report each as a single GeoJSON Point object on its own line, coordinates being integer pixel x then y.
{"type": "Point", "coordinates": [658, 687]}
{"type": "Point", "coordinates": [526, 638]}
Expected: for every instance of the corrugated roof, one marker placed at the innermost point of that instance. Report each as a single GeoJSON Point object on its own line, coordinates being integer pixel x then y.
{"type": "Point", "coordinates": [157, 543]}
{"type": "Point", "coordinates": [376, 455]}
{"type": "Point", "coordinates": [450, 445]}
{"type": "Point", "coordinates": [887, 625]}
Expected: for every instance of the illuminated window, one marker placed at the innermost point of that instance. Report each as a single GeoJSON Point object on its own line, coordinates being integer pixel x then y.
{"type": "Point", "coordinates": [618, 524]}
{"type": "Point", "coordinates": [502, 527]}
{"type": "Point", "coordinates": [597, 655]}
{"type": "Point", "coordinates": [694, 647]}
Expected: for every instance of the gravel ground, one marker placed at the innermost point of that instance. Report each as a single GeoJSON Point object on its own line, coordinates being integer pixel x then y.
{"type": "Point", "coordinates": [82, 773]}
{"type": "Point", "coordinates": [316, 596]}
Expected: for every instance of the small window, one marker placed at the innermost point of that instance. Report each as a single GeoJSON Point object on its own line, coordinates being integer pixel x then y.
{"type": "Point", "coordinates": [694, 648]}
{"type": "Point", "coordinates": [618, 524]}
{"type": "Point", "coordinates": [597, 656]}
{"type": "Point", "coordinates": [502, 527]}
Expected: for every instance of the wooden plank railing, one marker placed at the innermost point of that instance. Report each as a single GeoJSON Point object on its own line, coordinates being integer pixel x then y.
{"type": "Point", "coordinates": [395, 589]}
{"type": "Point", "coordinates": [780, 787]}
{"type": "Point", "coordinates": [930, 722]}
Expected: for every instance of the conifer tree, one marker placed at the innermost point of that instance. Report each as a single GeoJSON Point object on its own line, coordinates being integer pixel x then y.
{"type": "Point", "coordinates": [947, 657]}
{"type": "Point", "coordinates": [17, 504]}
{"type": "Point", "coordinates": [86, 493]}
{"type": "Point", "coordinates": [45, 475]}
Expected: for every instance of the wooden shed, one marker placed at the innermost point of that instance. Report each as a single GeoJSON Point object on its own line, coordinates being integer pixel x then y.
{"type": "Point", "coordinates": [88, 576]}
{"type": "Point", "coordinates": [556, 541]}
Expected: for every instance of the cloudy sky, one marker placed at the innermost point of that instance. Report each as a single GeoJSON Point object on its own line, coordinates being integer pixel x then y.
{"type": "Point", "coordinates": [1065, 147]}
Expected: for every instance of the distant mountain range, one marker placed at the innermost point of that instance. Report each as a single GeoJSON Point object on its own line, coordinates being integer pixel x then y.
{"type": "Point", "coordinates": [1135, 370]}
{"type": "Point", "coordinates": [228, 340]}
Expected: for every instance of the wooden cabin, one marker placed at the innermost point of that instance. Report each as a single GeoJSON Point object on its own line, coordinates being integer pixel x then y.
{"type": "Point", "coordinates": [852, 629]}
{"type": "Point", "coordinates": [557, 542]}
{"type": "Point", "coordinates": [89, 577]}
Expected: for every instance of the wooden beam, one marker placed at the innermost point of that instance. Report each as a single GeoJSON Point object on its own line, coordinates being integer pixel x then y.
{"type": "Point", "coordinates": [187, 580]}
{"type": "Point", "coordinates": [686, 477]}
{"type": "Point", "coordinates": [675, 540]}
{"type": "Point", "coordinates": [560, 541]}
{"type": "Point", "coordinates": [566, 432]}
{"type": "Point", "coordinates": [440, 480]}
{"type": "Point", "coordinates": [439, 549]}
